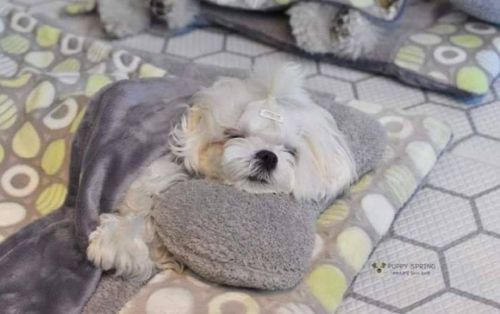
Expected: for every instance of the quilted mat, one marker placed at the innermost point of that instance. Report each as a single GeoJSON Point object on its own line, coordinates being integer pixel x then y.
{"type": "Point", "coordinates": [37, 128]}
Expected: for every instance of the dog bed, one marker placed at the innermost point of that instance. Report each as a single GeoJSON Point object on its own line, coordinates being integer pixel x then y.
{"type": "Point", "coordinates": [385, 10]}
{"type": "Point", "coordinates": [430, 43]}
{"type": "Point", "coordinates": [36, 157]}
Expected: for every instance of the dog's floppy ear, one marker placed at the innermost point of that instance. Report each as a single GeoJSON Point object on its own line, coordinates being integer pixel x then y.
{"type": "Point", "coordinates": [198, 142]}
{"type": "Point", "coordinates": [187, 138]}
{"type": "Point", "coordinates": [193, 118]}
{"type": "Point", "coordinates": [325, 165]}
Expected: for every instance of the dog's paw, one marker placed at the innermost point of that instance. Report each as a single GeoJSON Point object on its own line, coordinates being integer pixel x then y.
{"type": "Point", "coordinates": [122, 18]}
{"type": "Point", "coordinates": [119, 243]}
{"type": "Point", "coordinates": [122, 29]}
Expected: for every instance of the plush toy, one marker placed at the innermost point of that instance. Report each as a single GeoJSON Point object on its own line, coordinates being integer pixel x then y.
{"type": "Point", "coordinates": [122, 18]}
{"type": "Point", "coordinates": [486, 10]}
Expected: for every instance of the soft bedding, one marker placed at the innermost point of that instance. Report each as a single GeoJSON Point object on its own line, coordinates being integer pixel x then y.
{"type": "Point", "coordinates": [430, 45]}
{"type": "Point", "coordinates": [415, 142]}
{"type": "Point", "coordinates": [380, 9]}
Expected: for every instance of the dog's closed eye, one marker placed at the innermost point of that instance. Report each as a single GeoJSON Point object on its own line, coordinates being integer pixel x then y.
{"type": "Point", "coordinates": [291, 150]}
{"type": "Point", "coordinates": [233, 133]}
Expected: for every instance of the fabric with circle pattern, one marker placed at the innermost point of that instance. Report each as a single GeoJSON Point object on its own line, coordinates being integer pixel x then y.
{"type": "Point", "coordinates": [456, 50]}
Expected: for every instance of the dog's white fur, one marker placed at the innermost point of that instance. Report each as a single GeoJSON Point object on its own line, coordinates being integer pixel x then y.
{"type": "Point", "coordinates": [320, 28]}
{"type": "Point", "coordinates": [219, 137]}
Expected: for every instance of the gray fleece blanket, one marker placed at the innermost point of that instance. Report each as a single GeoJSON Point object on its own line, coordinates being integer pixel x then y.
{"type": "Point", "coordinates": [44, 266]}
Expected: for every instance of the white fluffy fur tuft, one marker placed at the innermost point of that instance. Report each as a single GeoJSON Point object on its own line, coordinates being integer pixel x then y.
{"type": "Point", "coordinates": [120, 243]}
{"type": "Point", "coordinates": [320, 28]}
{"type": "Point", "coordinates": [323, 165]}
{"type": "Point", "coordinates": [362, 39]}
{"type": "Point", "coordinates": [182, 13]}
{"type": "Point", "coordinates": [281, 80]}
{"type": "Point", "coordinates": [122, 240]}
{"type": "Point", "coordinates": [310, 24]}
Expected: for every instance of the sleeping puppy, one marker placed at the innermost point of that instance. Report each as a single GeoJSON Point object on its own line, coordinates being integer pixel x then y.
{"type": "Point", "coordinates": [262, 134]}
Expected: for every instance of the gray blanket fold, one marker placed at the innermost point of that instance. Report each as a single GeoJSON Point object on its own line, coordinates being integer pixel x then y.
{"type": "Point", "coordinates": [123, 131]}
{"type": "Point", "coordinates": [46, 269]}
{"type": "Point", "coordinates": [45, 272]}
{"type": "Point", "coordinates": [44, 266]}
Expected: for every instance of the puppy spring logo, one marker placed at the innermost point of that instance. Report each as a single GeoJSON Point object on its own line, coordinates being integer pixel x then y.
{"type": "Point", "coordinates": [379, 267]}
{"type": "Point", "coordinates": [403, 269]}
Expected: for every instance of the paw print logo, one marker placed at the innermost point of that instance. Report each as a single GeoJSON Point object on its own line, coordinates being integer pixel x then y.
{"type": "Point", "coordinates": [379, 267]}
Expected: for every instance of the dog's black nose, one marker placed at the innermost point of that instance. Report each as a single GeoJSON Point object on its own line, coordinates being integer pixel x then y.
{"type": "Point", "coordinates": [267, 159]}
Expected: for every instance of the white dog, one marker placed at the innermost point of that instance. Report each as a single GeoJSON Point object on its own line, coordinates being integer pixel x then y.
{"type": "Point", "coordinates": [263, 134]}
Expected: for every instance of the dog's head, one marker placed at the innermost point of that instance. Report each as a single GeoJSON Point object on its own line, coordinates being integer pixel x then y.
{"type": "Point", "coordinates": [264, 134]}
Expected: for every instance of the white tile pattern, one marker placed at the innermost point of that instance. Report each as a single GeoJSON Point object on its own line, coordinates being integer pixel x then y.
{"type": "Point", "coordinates": [454, 304]}
{"type": "Point", "coordinates": [435, 218]}
{"type": "Point", "coordinates": [393, 288]}
{"type": "Point", "coordinates": [206, 41]}
{"type": "Point", "coordinates": [324, 84]}
{"type": "Point", "coordinates": [470, 264]}
{"type": "Point", "coordinates": [226, 59]}
{"type": "Point", "coordinates": [386, 91]}
{"type": "Point", "coordinates": [245, 46]}
{"type": "Point", "coordinates": [488, 206]}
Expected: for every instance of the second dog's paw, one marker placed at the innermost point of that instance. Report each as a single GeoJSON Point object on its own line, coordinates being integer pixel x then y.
{"type": "Point", "coordinates": [122, 18]}
{"type": "Point", "coordinates": [119, 243]}
{"type": "Point", "coordinates": [120, 29]}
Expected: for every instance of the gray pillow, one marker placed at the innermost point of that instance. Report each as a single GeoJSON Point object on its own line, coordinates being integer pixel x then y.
{"type": "Point", "coordinates": [257, 241]}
